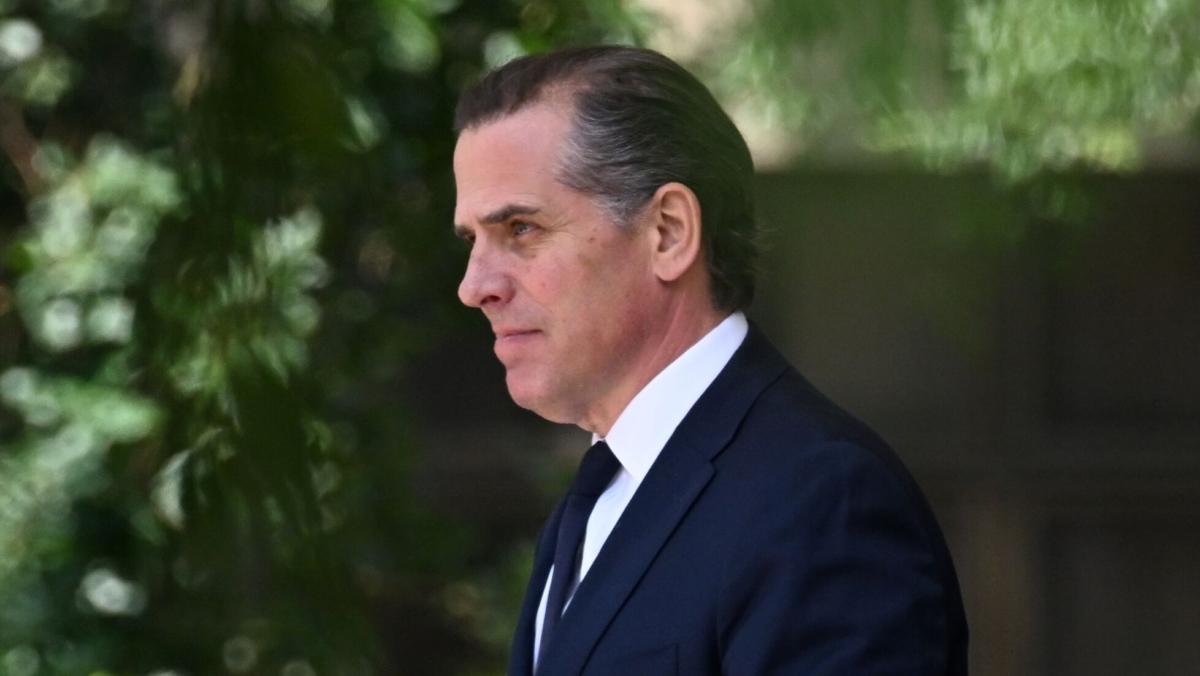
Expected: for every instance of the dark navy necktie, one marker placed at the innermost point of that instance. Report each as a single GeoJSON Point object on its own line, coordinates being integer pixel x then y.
{"type": "Point", "coordinates": [595, 471]}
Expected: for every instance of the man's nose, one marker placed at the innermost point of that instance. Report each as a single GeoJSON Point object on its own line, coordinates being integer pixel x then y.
{"type": "Point", "coordinates": [485, 282]}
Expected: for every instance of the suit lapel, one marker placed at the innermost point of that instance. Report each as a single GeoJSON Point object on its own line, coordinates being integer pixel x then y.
{"type": "Point", "coordinates": [520, 660]}
{"type": "Point", "coordinates": [676, 479]}
{"type": "Point", "coordinates": [660, 502]}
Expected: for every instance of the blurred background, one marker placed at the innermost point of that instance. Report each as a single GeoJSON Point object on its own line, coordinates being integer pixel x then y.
{"type": "Point", "coordinates": [245, 428]}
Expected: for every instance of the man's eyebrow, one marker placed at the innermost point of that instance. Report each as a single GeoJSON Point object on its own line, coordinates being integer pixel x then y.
{"type": "Point", "coordinates": [498, 216]}
{"type": "Point", "coordinates": [508, 211]}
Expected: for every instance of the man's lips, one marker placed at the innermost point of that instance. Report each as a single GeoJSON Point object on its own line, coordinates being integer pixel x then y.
{"type": "Point", "coordinates": [511, 340]}
{"type": "Point", "coordinates": [502, 333]}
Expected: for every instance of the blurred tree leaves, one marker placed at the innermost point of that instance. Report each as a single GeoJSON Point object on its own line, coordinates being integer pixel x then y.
{"type": "Point", "coordinates": [225, 236]}
{"type": "Point", "coordinates": [1019, 86]}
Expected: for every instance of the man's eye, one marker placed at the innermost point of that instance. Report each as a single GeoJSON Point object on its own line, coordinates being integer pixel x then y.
{"type": "Point", "coordinates": [522, 228]}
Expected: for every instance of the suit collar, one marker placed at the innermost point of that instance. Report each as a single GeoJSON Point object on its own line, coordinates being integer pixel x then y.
{"type": "Point", "coordinates": [712, 422]}
{"type": "Point", "coordinates": [642, 430]}
{"type": "Point", "coordinates": [676, 479]}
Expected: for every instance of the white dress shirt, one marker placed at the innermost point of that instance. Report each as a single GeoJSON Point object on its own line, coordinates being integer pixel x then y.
{"type": "Point", "coordinates": [641, 431]}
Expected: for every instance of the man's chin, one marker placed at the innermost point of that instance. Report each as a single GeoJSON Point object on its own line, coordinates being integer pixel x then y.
{"type": "Point", "coordinates": [533, 396]}
{"type": "Point", "coordinates": [521, 390]}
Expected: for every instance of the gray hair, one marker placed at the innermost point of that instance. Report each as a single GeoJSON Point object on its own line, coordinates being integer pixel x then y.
{"type": "Point", "coordinates": [640, 121]}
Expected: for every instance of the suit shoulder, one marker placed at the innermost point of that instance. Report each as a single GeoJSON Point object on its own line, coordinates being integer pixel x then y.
{"type": "Point", "coordinates": [794, 441]}
{"type": "Point", "coordinates": [793, 416]}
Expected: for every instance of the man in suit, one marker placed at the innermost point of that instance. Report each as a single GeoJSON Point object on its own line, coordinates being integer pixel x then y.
{"type": "Point", "coordinates": [728, 518]}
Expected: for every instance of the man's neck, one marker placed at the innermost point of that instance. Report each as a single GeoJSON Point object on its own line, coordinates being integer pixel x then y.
{"type": "Point", "coordinates": [681, 329]}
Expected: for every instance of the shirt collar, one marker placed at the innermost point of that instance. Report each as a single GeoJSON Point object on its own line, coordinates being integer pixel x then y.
{"type": "Point", "coordinates": [648, 421]}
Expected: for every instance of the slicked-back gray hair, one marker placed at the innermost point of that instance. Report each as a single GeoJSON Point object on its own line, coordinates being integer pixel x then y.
{"type": "Point", "coordinates": [640, 121]}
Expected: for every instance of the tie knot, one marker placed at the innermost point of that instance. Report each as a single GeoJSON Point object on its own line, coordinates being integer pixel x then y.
{"type": "Point", "coordinates": [595, 471]}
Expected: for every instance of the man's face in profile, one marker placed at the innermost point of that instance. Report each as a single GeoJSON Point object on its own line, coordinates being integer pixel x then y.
{"type": "Point", "coordinates": [564, 287]}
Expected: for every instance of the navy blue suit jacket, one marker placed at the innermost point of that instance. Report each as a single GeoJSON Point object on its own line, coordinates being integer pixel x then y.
{"type": "Point", "coordinates": [775, 534]}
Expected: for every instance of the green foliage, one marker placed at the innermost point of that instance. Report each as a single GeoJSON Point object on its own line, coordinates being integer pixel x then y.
{"type": "Point", "coordinates": [1021, 86]}
{"type": "Point", "coordinates": [89, 233]}
{"type": "Point", "coordinates": [260, 311]}
{"type": "Point", "coordinates": [1054, 85]}
{"type": "Point", "coordinates": [85, 244]}
{"type": "Point", "coordinates": [32, 72]}
{"type": "Point", "coordinates": [225, 232]}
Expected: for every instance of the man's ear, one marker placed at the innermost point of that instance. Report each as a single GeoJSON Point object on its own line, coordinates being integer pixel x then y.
{"type": "Point", "coordinates": [674, 216]}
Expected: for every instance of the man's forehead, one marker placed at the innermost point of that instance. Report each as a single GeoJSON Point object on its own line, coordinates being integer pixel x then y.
{"type": "Point", "coordinates": [528, 133]}
{"type": "Point", "coordinates": [497, 198]}
{"type": "Point", "coordinates": [507, 163]}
